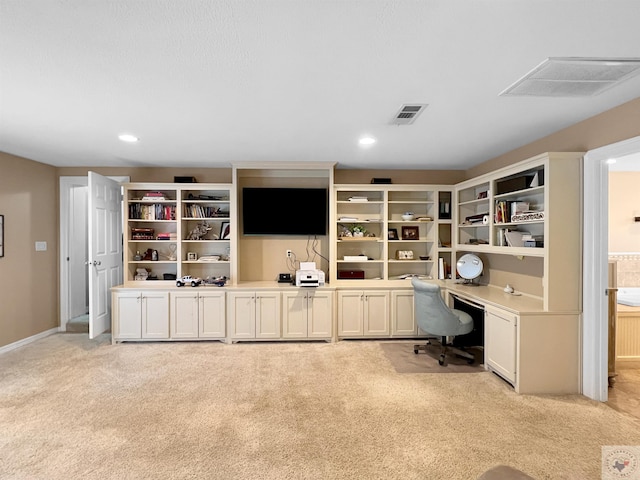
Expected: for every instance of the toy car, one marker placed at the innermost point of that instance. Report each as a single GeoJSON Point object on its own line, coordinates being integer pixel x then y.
{"type": "Point", "coordinates": [182, 281]}
{"type": "Point", "coordinates": [218, 281]}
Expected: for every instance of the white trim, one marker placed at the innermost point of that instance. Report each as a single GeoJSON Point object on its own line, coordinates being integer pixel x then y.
{"type": "Point", "coordinates": [65, 184]}
{"type": "Point", "coordinates": [594, 282]}
{"type": "Point", "coordinates": [28, 340]}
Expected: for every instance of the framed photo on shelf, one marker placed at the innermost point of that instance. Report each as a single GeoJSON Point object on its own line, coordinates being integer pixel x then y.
{"type": "Point", "coordinates": [392, 234]}
{"type": "Point", "coordinates": [410, 233]}
{"type": "Point", "coordinates": [225, 231]}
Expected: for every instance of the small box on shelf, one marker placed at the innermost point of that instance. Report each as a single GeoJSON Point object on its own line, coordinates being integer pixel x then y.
{"type": "Point", "coordinates": [351, 274]}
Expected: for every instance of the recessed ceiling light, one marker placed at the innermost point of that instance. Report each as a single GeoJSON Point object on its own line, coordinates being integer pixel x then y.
{"type": "Point", "coordinates": [127, 137]}
{"type": "Point", "coordinates": [367, 141]}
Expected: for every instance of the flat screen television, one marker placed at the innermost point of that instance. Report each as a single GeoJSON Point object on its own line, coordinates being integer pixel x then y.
{"type": "Point", "coordinates": [284, 211]}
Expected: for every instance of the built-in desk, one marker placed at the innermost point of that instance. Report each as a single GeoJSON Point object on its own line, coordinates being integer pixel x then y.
{"type": "Point", "coordinates": [495, 296]}
{"type": "Point", "coordinates": [537, 351]}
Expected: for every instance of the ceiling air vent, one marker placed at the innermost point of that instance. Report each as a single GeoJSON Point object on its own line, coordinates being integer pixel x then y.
{"type": "Point", "coordinates": [408, 113]}
{"type": "Point", "coordinates": [574, 77]}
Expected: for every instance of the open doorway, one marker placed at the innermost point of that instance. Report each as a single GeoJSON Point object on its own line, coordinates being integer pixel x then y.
{"type": "Point", "coordinates": [595, 266]}
{"type": "Point", "coordinates": [74, 282]}
{"type": "Point", "coordinates": [624, 257]}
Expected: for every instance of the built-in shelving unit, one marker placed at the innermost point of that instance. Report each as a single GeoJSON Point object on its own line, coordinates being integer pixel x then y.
{"type": "Point", "coordinates": [530, 209]}
{"type": "Point", "coordinates": [403, 233]}
{"type": "Point", "coordinates": [173, 230]}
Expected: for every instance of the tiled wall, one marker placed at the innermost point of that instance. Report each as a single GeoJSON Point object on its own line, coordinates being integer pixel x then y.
{"type": "Point", "coordinates": [628, 270]}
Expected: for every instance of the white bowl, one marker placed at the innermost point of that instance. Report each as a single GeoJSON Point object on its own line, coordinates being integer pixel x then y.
{"type": "Point", "coordinates": [407, 217]}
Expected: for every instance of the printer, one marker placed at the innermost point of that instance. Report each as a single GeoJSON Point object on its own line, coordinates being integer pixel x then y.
{"type": "Point", "coordinates": [309, 275]}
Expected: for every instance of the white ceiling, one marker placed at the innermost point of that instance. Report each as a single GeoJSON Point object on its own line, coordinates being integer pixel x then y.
{"type": "Point", "coordinates": [208, 83]}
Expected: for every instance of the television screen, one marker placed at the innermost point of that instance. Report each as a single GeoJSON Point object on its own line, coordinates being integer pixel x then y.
{"type": "Point", "coordinates": [284, 211]}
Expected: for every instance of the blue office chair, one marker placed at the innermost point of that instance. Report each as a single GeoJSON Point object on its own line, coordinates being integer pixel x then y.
{"type": "Point", "coordinates": [435, 318]}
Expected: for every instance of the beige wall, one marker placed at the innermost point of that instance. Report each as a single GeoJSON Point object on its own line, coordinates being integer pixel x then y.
{"type": "Point", "coordinates": [615, 125]}
{"type": "Point", "coordinates": [146, 174]}
{"type": "Point", "coordinates": [420, 177]}
{"type": "Point", "coordinates": [624, 205]}
{"type": "Point", "coordinates": [28, 279]}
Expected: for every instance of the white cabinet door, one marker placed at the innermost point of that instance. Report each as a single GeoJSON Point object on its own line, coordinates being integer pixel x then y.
{"type": "Point", "coordinates": [376, 312]}
{"type": "Point", "coordinates": [184, 314]}
{"type": "Point", "coordinates": [241, 314]}
{"type": "Point", "coordinates": [127, 322]}
{"type": "Point", "coordinates": [212, 315]}
{"type": "Point", "coordinates": [403, 322]}
{"type": "Point", "coordinates": [500, 342]}
{"type": "Point", "coordinates": [155, 315]}
{"type": "Point", "coordinates": [294, 314]}
{"type": "Point", "coordinates": [319, 314]}
{"type": "Point", "coordinates": [267, 315]}
{"type": "Point", "coordinates": [307, 314]}
{"type": "Point", "coordinates": [350, 313]}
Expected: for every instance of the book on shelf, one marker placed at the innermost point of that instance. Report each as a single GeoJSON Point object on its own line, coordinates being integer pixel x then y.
{"type": "Point", "coordinates": [203, 211]}
{"type": "Point", "coordinates": [501, 215]}
{"type": "Point", "coordinates": [154, 196]}
{"type": "Point", "coordinates": [357, 198]}
{"type": "Point", "coordinates": [138, 211]}
{"type": "Point", "coordinates": [167, 236]}
{"type": "Point", "coordinates": [514, 238]}
{"type": "Point", "coordinates": [519, 207]}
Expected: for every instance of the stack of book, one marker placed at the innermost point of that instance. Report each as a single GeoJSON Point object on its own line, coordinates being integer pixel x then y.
{"type": "Point", "coordinates": [156, 196]}
{"type": "Point", "coordinates": [142, 234]}
{"type": "Point", "coordinates": [167, 236]}
{"type": "Point", "coordinates": [529, 240]}
{"type": "Point", "coordinates": [357, 198]}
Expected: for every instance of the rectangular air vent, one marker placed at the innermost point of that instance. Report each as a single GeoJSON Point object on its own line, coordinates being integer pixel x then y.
{"type": "Point", "coordinates": [574, 77]}
{"type": "Point", "coordinates": [408, 113]}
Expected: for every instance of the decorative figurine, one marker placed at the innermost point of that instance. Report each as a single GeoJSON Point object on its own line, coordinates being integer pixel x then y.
{"type": "Point", "coordinates": [199, 232]}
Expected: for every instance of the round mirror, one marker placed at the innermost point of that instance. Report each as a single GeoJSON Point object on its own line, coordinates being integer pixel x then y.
{"type": "Point", "coordinates": [469, 266]}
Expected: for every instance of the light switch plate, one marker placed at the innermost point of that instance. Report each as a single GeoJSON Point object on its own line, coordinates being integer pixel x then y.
{"type": "Point", "coordinates": [41, 246]}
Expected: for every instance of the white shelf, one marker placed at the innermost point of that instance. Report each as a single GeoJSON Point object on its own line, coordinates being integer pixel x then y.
{"type": "Point", "coordinates": [394, 201]}
{"type": "Point", "coordinates": [177, 198]}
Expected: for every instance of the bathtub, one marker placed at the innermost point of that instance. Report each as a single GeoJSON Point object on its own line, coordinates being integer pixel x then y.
{"type": "Point", "coordinates": [629, 296]}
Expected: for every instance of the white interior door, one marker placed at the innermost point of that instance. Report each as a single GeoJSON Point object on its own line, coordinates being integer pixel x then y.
{"type": "Point", "coordinates": [105, 249]}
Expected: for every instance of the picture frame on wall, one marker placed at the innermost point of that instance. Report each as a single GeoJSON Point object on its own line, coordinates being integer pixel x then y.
{"type": "Point", "coordinates": [225, 231]}
{"type": "Point", "coordinates": [410, 233]}
{"type": "Point", "coordinates": [1, 235]}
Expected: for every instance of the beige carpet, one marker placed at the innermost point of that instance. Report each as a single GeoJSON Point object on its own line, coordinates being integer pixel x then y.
{"type": "Point", "coordinates": [71, 408]}
{"type": "Point", "coordinates": [401, 356]}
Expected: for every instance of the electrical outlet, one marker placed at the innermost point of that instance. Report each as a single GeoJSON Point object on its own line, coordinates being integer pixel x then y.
{"type": "Point", "coordinates": [289, 254]}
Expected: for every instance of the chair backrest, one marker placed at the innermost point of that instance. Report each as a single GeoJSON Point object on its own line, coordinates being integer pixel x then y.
{"type": "Point", "coordinates": [432, 314]}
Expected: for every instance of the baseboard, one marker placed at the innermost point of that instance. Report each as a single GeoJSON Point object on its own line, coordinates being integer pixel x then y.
{"type": "Point", "coordinates": [28, 340]}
